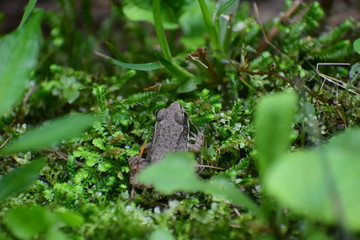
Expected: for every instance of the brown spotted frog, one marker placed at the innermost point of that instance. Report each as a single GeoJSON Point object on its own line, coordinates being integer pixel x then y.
{"type": "Point", "coordinates": [171, 135]}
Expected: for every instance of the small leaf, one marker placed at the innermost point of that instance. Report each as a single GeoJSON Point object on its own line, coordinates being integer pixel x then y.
{"type": "Point", "coordinates": [55, 234]}
{"type": "Point", "coordinates": [357, 45]}
{"type": "Point", "coordinates": [26, 223]}
{"type": "Point", "coordinates": [321, 183]}
{"type": "Point", "coordinates": [50, 133]}
{"type": "Point", "coordinates": [19, 51]}
{"type": "Point", "coordinates": [354, 73]}
{"type": "Point", "coordinates": [69, 218]}
{"type": "Point", "coordinates": [20, 178]}
{"type": "Point", "coordinates": [161, 234]}
{"type": "Point", "coordinates": [176, 172]}
{"type": "Point", "coordinates": [273, 117]}
{"type": "Point", "coordinates": [99, 143]}
{"type": "Point", "coordinates": [222, 187]}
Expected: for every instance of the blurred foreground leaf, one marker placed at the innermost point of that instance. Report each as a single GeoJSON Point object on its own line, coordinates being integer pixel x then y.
{"type": "Point", "coordinates": [19, 51]}
{"type": "Point", "coordinates": [26, 223]}
{"type": "Point", "coordinates": [323, 182]}
{"type": "Point", "coordinates": [50, 133]}
{"type": "Point", "coordinates": [273, 117]}
{"type": "Point", "coordinates": [19, 179]}
{"type": "Point", "coordinates": [161, 234]}
{"type": "Point", "coordinates": [176, 172]}
{"type": "Point", "coordinates": [69, 218]}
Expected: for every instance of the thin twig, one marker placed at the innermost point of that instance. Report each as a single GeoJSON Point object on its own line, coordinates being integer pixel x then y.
{"type": "Point", "coordinates": [274, 30]}
{"type": "Point", "coordinates": [4, 143]}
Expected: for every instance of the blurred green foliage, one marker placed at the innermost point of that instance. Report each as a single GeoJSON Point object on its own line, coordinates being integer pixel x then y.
{"type": "Point", "coordinates": [212, 57]}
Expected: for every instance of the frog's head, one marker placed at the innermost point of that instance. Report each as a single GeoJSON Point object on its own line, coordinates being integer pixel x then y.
{"type": "Point", "coordinates": [174, 112]}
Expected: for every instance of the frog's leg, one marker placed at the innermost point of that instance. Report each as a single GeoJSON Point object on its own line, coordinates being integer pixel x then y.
{"type": "Point", "coordinates": [136, 165]}
{"type": "Point", "coordinates": [198, 140]}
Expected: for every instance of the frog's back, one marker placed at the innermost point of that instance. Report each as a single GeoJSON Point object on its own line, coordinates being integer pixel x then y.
{"type": "Point", "coordinates": [167, 140]}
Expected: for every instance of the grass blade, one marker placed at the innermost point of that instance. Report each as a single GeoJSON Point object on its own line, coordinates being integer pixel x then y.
{"type": "Point", "coordinates": [28, 9]}
{"type": "Point", "coordinates": [134, 66]}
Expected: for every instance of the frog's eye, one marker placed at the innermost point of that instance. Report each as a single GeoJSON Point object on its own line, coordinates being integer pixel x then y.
{"type": "Point", "coordinates": [160, 114]}
{"type": "Point", "coordinates": [181, 117]}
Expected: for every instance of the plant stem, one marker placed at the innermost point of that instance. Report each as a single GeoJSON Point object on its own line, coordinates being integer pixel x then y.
{"type": "Point", "coordinates": [214, 36]}
{"type": "Point", "coordinates": [160, 30]}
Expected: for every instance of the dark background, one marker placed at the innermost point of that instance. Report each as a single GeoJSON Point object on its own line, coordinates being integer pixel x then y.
{"type": "Point", "coordinates": [336, 10]}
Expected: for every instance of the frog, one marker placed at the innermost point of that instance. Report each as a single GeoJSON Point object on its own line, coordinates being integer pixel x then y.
{"type": "Point", "coordinates": [171, 134]}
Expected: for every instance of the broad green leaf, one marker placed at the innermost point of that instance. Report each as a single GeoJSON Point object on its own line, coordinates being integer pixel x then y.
{"type": "Point", "coordinates": [161, 234]}
{"type": "Point", "coordinates": [69, 218]}
{"type": "Point", "coordinates": [176, 172]}
{"type": "Point", "coordinates": [357, 45]}
{"type": "Point", "coordinates": [20, 178]}
{"type": "Point", "coordinates": [28, 9]}
{"type": "Point", "coordinates": [19, 51]}
{"type": "Point", "coordinates": [28, 222]}
{"type": "Point", "coordinates": [321, 183]}
{"type": "Point", "coordinates": [50, 133]}
{"type": "Point", "coordinates": [3, 237]}
{"type": "Point", "coordinates": [273, 117]}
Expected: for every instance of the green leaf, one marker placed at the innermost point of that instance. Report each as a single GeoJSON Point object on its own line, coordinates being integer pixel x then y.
{"type": "Point", "coordinates": [161, 234]}
{"type": "Point", "coordinates": [55, 234]}
{"type": "Point", "coordinates": [213, 34]}
{"type": "Point", "coordinates": [357, 45]}
{"type": "Point", "coordinates": [273, 117]}
{"type": "Point", "coordinates": [176, 172]}
{"type": "Point", "coordinates": [354, 73]}
{"type": "Point", "coordinates": [219, 186]}
{"type": "Point", "coordinates": [20, 178]}
{"type": "Point", "coordinates": [224, 7]}
{"type": "Point", "coordinates": [50, 133]}
{"type": "Point", "coordinates": [26, 223]}
{"type": "Point", "coordinates": [143, 12]}
{"type": "Point", "coordinates": [321, 183]}
{"type": "Point", "coordinates": [68, 218]}
{"type": "Point", "coordinates": [19, 51]}
{"type": "Point", "coordinates": [3, 237]}
{"type": "Point", "coordinates": [172, 68]}
{"type": "Point", "coordinates": [28, 9]}
{"type": "Point", "coordinates": [159, 29]}
{"type": "Point", "coordinates": [135, 66]}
